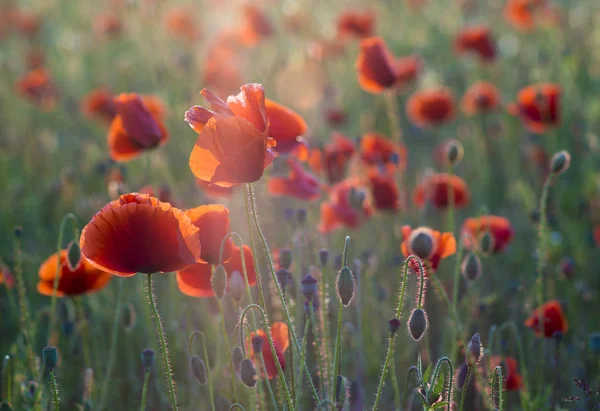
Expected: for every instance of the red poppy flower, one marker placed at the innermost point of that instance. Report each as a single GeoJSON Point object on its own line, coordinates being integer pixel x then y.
{"type": "Point", "coordinates": [99, 103]}
{"type": "Point", "coordinates": [359, 24]}
{"type": "Point", "coordinates": [213, 222]}
{"type": "Point", "coordinates": [38, 87]}
{"type": "Point", "coordinates": [334, 158]}
{"type": "Point", "coordinates": [335, 117]}
{"type": "Point", "coordinates": [378, 70]}
{"type": "Point", "coordinates": [346, 207]}
{"type": "Point", "coordinates": [281, 342]}
{"type": "Point", "coordinates": [499, 227]}
{"type": "Point", "coordinates": [513, 381]}
{"type": "Point", "coordinates": [521, 13]}
{"type": "Point", "coordinates": [181, 24]}
{"type": "Point", "coordinates": [35, 58]}
{"type": "Point", "coordinates": [84, 279]}
{"type": "Point", "coordinates": [233, 144]}
{"type": "Point", "coordinates": [539, 106]}
{"type": "Point", "coordinates": [139, 234]}
{"type": "Point", "coordinates": [213, 191]}
{"type": "Point", "coordinates": [255, 25]}
{"type": "Point", "coordinates": [377, 149]}
{"type": "Point", "coordinates": [549, 318]}
{"type": "Point", "coordinates": [481, 97]}
{"type": "Point", "coordinates": [429, 108]}
{"type": "Point", "coordinates": [384, 191]}
{"type": "Point", "coordinates": [429, 245]}
{"type": "Point", "coordinates": [195, 280]}
{"type": "Point", "coordinates": [478, 40]}
{"type": "Point", "coordinates": [435, 190]}
{"type": "Point", "coordinates": [137, 127]}
{"type": "Point", "coordinates": [6, 276]}
{"type": "Point", "coordinates": [27, 22]}
{"type": "Point", "coordinates": [299, 183]}
{"type": "Point", "coordinates": [286, 127]}
{"type": "Point", "coordinates": [108, 26]}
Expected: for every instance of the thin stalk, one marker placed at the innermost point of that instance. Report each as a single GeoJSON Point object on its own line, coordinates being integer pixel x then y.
{"type": "Point", "coordinates": [264, 368]}
{"type": "Point", "coordinates": [449, 379]}
{"type": "Point", "coordinates": [464, 390]}
{"type": "Point", "coordinates": [226, 341]}
{"type": "Point", "coordinates": [323, 314]}
{"type": "Point", "coordinates": [113, 347]}
{"type": "Point", "coordinates": [317, 345]}
{"type": "Point", "coordinates": [411, 370]}
{"type": "Point", "coordinates": [397, 400]}
{"type": "Point", "coordinates": [236, 405]}
{"type": "Point", "coordinates": [25, 316]}
{"type": "Point", "coordinates": [456, 286]}
{"type": "Point", "coordinates": [392, 114]}
{"type": "Point", "coordinates": [208, 379]}
{"type": "Point", "coordinates": [386, 364]}
{"type": "Point", "coordinates": [450, 194]}
{"type": "Point", "coordinates": [542, 240]}
{"type": "Point", "coordinates": [54, 389]}
{"type": "Point", "coordinates": [292, 368]}
{"type": "Point", "coordinates": [145, 389]}
{"type": "Point", "coordinates": [337, 352]}
{"type": "Point", "coordinates": [302, 359]}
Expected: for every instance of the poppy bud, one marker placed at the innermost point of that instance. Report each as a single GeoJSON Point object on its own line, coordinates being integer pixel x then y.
{"type": "Point", "coordinates": [236, 286]}
{"type": "Point", "coordinates": [198, 369]}
{"type": "Point", "coordinates": [219, 282]}
{"type": "Point", "coordinates": [461, 376]}
{"type": "Point", "coordinates": [285, 258]}
{"type": "Point", "coordinates": [308, 287]}
{"type": "Point", "coordinates": [257, 342]}
{"type": "Point", "coordinates": [417, 324]}
{"type": "Point", "coordinates": [18, 231]}
{"type": "Point", "coordinates": [288, 214]}
{"type": "Point", "coordinates": [315, 306]}
{"type": "Point", "coordinates": [284, 277]}
{"type": "Point", "coordinates": [470, 267]}
{"type": "Point", "coordinates": [147, 358]}
{"type": "Point", "coordinates": [128, 317]}
{"type": "Point", "coordinates": [73, 255]}
{"type": "Point", "coordinates": [50, 357]}
{"type": "Point", "coordinates": [560, 162]}
{"type": "Point", "coordinates": [421, 243]}
{"type": "Point", "coordinates": [486, 243]}
{"type": "Point", "coordinates": [393, 325]}
{"type": "Point", "coordinates": [301, 215]}
{"type": "Point", "coordinates": [474, 352]}
{"type": "Point", "coordinates": [323, 257]}
{"type": "Point", "coordinates": [454, 152]}
{"type": "Point", "coordinates": [248, 373]}
{"type": "Point", "coordinates": [237, 357]}
{"type": "Point", "coordinates": [345, 286]}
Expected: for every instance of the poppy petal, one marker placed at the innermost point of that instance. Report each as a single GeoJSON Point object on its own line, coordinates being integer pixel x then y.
{"type": "Point", "coordinates": [195, 280]}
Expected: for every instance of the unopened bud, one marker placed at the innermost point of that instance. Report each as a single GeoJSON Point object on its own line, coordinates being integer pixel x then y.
{"type": "Point", "coordinates": [219, 282]}
{"type": "Point", "coordinates": [461, 376]}
{"type": "Point", "coordinates": [257, 343]}
{"type": "Point", "coordinates": [421, 243]}
{"type": "Point", "coordinates": [236, 286]}
{"type": "Point", "coordinates": [198, 368]}
{"type": "Point", "coordinates": [248, 373]}
{"type": "Point", "coordinates": [560, 162]}
{"type": "Point", "coordinates": [417, 324]}
{"type": "Point", "coordinates": [237, 357]}
{"type": "Point", "coordinates": [50, 357]}
{"type": "Point", "coordinates": [474, 352]}
{"type": "Point", "coordinates": [345, 286]}
{"type": "Point", "coordinates": [285, 258]}
{"type": "Point", "coordinates": [394, 325]}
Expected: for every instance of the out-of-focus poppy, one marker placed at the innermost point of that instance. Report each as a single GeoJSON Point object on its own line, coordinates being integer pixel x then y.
{"type": "Point", "coordinates": [287, 128]}
{"type": "Point", "coordinates": [164, 193]}
{"type": "Point", "coordinates": [107, 26]}
{"type": "Point", "coordinates": [384, 191]}
{"type": "Point", "coordinates": [477, 40]}
{"type": "Point", "coordinates": [378, 70]}
{"type": "Point", "coordinates": [335, 117]}
{"type": "Point", "coordinates": [137, 127]}
{"type": "Point", "coordinates": [27, 23]}
{"type": "Point", "coordinates": [513, 381]}
{"type": "Point", "coordinates": [548, 319]}
{"type": "Point", "coordinates": [539, 106]}
{"type": "Point", "coordinates": [481, 97]}
{"type": "Point", "coordinates": [38, 87]}
{"type": "Point", "coordinates": [84, 279]}
{"type": "Point", "coordinates": [347, 206]}
{"type": "Point", "coordinates": [255, 25]}
{"type": "Point", "coordinates": [521, 13]}
{"type": "Point", "coordinates": [499, 227]}
{"type": "Point", "coordinates": [378, 150]}
{"type": "Point", "coordinates": [139, 234]}
{"type": "Point", "coordinates": [428, 108]}
{"type": "Point", "coordinates": [35, 58]}
{"type": "Point", "coordinates": [298, 184]}
{"type": "Point", "coordinates": [213, 222]}
{"type": "Point", "coordinates": [281, 342]}
{"type": "Point", "coordinates": [221, 71]}
{"type": "Point", "coordinates": [213, 191]}
{"type": "Point", "coordinates": [195, 280]}
{"type": "Point", "coordinates": [6, 276]}
{"type": "Point", "coordinates": [429, 245]}
{"type": "Point", "coordinates": [354, 23]}
{"type": "Point", "coordinates": [99, 103]}
{"type": "Point", "coordinates": [333, 159]}
{"type": "Point", "coordinates": [181, 24]}
{"type": "Point", "coordinates": [435, 189]}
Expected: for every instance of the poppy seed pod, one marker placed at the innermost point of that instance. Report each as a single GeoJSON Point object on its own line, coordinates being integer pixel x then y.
{"type": "Point", "coordinates": [198, 368]}
{"type": "Point", "coordinates": [417, 324]}
{"type": "Point", "coordinates": [486, 243]}
{"type": "Point", "coordinates": [560, 162]}
{"type": "Point", "coordinates": [237, 357]}
{"type": "Point", "coordinates": [394, 324]}
{"type": "Point", "coordinates": [73, 255]}
{"type": "Point", "coordinates": [219, 282]}
{"type": "Point", "coordinates": [454, 152]}
{"type": "Point", "coordinates": [284, 277]}
{"type": "Point", "coordinates": [474, 352]}
{"type": "Point", "coordinates": [308, 287]}
{"type": "Point", "coordinates": [421, 242]}
{"type": "Point", "coordinates": [50, 357]}
{"type": "Point", "coordinates": [148, 357]}
{"type": "Point", "coordinates": [323, 257]}
{"type": "Point", "coordinates": [248, 373]}
{"type": "Point", "coordinates": [285, 258]}
{"type": "Point", "coordinates": [236, 286]}
{"type": "Point", "coordinates": [470, 267]}
{"type": "Point", "coordinates": [257, 343]}
{"type": "Point", "coordinates": [345, 286]}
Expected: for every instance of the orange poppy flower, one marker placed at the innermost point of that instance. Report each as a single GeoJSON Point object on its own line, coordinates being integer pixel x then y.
{"type": "Point", "coordinates": [435, 190]}
{"type": "Point", "coordinates": [521, 13]}
{"type": "Point", "coordinates": [429, 108]}
{"type": "Point", "coordinates": [334, 158]}
{"type": "Point", "coordinates": [539, 106]}
{"type": "Point", "coordinates": [377, 149]}
{"type": "Point", "coordinates": [481, 97]}
{"type": "Point", "coordinates": [139, 234]}
{"type": "Point", "coordinates": [346, 207]}
{"type": "Point", "coordinates": [255, 26]}
{"type": "Point", "coordinates": [499, 227]}
{"type": "Point", "coordinates": [513, 381]}
{"type": "Point", "coordinates": [213, 191]}
{"type": "Point", "coordinates": [378, 70]}
{"type": "Point", "coordinates": [550, 318]}
{"type": "Point", "coordinates": [38, 87]}
{"type": "Point", "coordinates": [195, 280]}
{"type": "Point", "coordinates": [180, 23]}
{"type": "Point", "coordinates": [429, 245]}
{"type": "Point", "coordinates": [298, 184]}
{"type": "Point", "coordinates": [84, 279]}
{"type": "Point", "coordinates": [477, 40]}
{"type": "Point", "coordinates": [99, 103]}
{"type": "Point", "coordinates": [137, 127]}
{"type": "Point", "coordinates": [108, 26]}
{"type": "Point", "coordinates": [213, 222]}
{"type": "Point", "coordinates": [281, 342]}
{"type": "Point", "coordinates": [286, 127]}
{"type": "Point", "coordinates": [359, 24]}
{"type": "Point", "coordinates": [233, 144]}
{"type": "Point", "coordinates": [384, 191]}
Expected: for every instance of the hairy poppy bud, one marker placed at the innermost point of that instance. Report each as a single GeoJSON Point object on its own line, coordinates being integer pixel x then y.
{"type": "Point", "coordinates": [323, 257]}
{"type": "Point", "coordinates": [148, 357]}
{"type": "Point", "coordinates": [417, 324]}
{"type": "Point", "coordinates": [73, 255]}
{"type": "Point", "coordinates": [285, 258]}
{"type": "Point", "coordinates": [453, 152]}
{"type": "Point", "coordinates": [219, 282]}
{"type": "Point", "coordinates": [301, 215]}
{"type": "Point", "coordinates": [474, 352]}
{"type": "Point", "coordinates": [345, 286]}
{"type": "Point", "coordinates": [308, 287]}
{"type": "Point", "coordinates": [284, 277]}
{"type": "Point", "coordinates": [560, 162]}
{"type": "Point", "coordinates": [393, 325]}
{"type": "Point", "coordinates": [470, 267]}
{"type": "Point", "coordinates": [236, 286]}
{"type": "Point", "coordinates": [486, 243]}
{"type": "Point", "coordinates": [257, 343]}
{"type": "Point", "coordinates": [237, 357]}
{"type": "Point", "coordinates": [421, 242]}
{"type": "Point", "coordinates": [198, 368]}
{"type": "Point", "coordinates": [461, 376]}
{"type": "Point", "coordinates": [128, 317]}
{"type": "Point", "coordinates": [248, 373]}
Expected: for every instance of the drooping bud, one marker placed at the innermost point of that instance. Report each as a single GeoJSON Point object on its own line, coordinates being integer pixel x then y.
{"type": "Point", "coordinates": [50, 357]}
{"type": "Point", "coordinates": [219, 282]}
{"type": "Point", "coordinates": [323, 257]}
{"type": "Point", "coordinates": [248, 373]}
{"type": "Point", "coordinates": [308, 287]}
{"type": "Point", "coordinates": [128, 317]}
{"type": "Point", "coordinates": [198, 368]}
{"type": "Point", "coordinates": [257, 343]}
{"type": "Point", "coordinates": [474, 352]}
{"type": "Point", "coordinates": [470, 267]}
{"type": "Point", "coordinates": [394, 324]}
{"type": "Point", "coordinates": [285, 258]}
{"type": "Point", "coordinates": [560, 162]}
{"type": "Point", "coordinates": [421, 243]}
{"type": "Point", "coordinates": [73, 255]}
{"type": "Point", "coordinates": [301, 215]}
{"type": "Point", "coordinates": [345, 286]}
{"type": "Point", "coordinates": [148, 357]}
{"type": "Point", "coordinates": [417, 324]}
{"type": "Point", "coordinates": [453, 152]}
{"type": "Point", "coordinates": [487, 243]}
{"type": "Point", "coordinates": [236, 286]}
{"type": "Point", "coordinates": [237, 357]}
{"type": "Point", "coordinates": [284, 277]}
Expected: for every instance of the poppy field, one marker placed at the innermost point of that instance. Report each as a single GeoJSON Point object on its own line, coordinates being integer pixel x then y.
{"type": "Point", "coordinates": [299, 205]}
